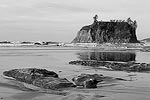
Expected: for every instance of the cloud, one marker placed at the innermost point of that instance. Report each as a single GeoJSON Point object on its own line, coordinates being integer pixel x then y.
{"type": "Point", "coordinates": [38, 10]}
{"type": "Point", "coordinates": [61, 7]}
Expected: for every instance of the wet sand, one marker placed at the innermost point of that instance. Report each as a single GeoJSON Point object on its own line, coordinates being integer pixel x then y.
{"type": "Point", "coordinates": [136, 88]}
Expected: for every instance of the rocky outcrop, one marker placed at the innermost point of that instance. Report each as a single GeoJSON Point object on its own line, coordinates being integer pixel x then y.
{"type": "Point", "coordinates": [110, 32]}
{"type": "Point", "coordinates": [92, 80]}
{"type": "Point", "coordinates": [83, 36]}
{"type": "Point", "coordinates": [39, 77]}
{"type": "Point", "coordinates": [49, 80]}
{"type": "Point", "coordinates": [88, 80]}
{"type": "Point", "coordinates": [145, 40]}
{"type": "Point", "coordinates": [118, 66]}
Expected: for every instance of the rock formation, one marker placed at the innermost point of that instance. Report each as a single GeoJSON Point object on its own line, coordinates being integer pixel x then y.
{"type": "Point", "coordinates": [49, 80]}
{"type": "Point", "coordinates": [108, 32]}
{"type": "Point", "coordinates": [88, 80]}
{"type": "Point", "coordinates": [118, 66]}
{"type": "Point", "coordinates": [91, 80]}
{"type": "Point", "coordinates": [39, 77]}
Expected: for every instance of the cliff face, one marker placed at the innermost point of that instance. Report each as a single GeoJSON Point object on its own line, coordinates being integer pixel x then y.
{"type": "Point", "coordinates": [111, 32]}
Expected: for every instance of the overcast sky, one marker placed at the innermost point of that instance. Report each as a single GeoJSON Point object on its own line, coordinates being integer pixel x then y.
{"type": "Point", "coordinates": [60, 20]}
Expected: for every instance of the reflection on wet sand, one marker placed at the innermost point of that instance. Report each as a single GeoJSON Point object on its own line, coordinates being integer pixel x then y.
{"type": "Point", "coordinates": [107, 56]}
{"type": "Point", "coordinates": [118, 61]}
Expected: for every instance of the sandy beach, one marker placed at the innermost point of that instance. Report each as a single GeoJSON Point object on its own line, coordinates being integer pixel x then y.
{"type": "Point", "coordinates": [56, 59]}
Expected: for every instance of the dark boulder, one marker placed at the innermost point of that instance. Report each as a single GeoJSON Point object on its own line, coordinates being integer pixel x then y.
{"type": "Point", "coordinates": [87, 80]}
{"type": "Point", "coordinates": [29, 74]}
{"type": "Point", "coordinates": [39, 77]}
{"type": "Point", "coordinates": [94, 80]}
{"type": "Point", "coordinates": [52, 83]}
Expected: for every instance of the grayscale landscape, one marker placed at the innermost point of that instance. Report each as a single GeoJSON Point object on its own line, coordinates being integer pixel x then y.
{"type": "Point", "coordinates": [74, 50]}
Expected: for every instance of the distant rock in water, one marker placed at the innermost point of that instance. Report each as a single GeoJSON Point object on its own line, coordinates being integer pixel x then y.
{"type": "Point", "coordinates": [108, 32]}
{"type": "Point", "coordinates": [146, 40]}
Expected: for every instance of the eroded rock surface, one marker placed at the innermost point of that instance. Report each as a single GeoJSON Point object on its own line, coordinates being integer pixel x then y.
{"type": "Point", "coordinates": [87, 80]}
{"type": "Point", "coordinates": [40, 78]}
{"type": "Point", "coordinates": [92, 80]}
{"type": "Point", "coordinates": [45, 81]}
{"type": "Point", "coordinates": [113, 31]}
{"type": "Point", "coordinates": [52, 83]}
{"type": "Point", "coordinates": [118, 66]}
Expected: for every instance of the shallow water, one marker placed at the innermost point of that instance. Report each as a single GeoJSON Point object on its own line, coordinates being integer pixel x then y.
{"type": "Point", "coordinates": [57, 59]}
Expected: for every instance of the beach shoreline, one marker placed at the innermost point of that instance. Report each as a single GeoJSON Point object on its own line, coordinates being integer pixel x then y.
{"type": "Point", "coordinates": [53, 59]}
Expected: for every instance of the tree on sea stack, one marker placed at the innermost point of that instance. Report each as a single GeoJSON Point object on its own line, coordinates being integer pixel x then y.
{"type": "Point", "coordinates": [95, 18]}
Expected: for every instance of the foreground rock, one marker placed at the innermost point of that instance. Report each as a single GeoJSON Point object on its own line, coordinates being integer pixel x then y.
{"type": "Point", "coordinates": [39, 77]}
{"type": "Point", "coordinates": [87, 80]}
{"type": "Point", "coordinates": [119, 66]}
{"type": "Point", "coordinates": [91, 80]}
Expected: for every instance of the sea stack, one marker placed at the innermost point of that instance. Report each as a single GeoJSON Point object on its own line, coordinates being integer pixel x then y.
{"type": "Point", "coordinates": [113, 31]}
